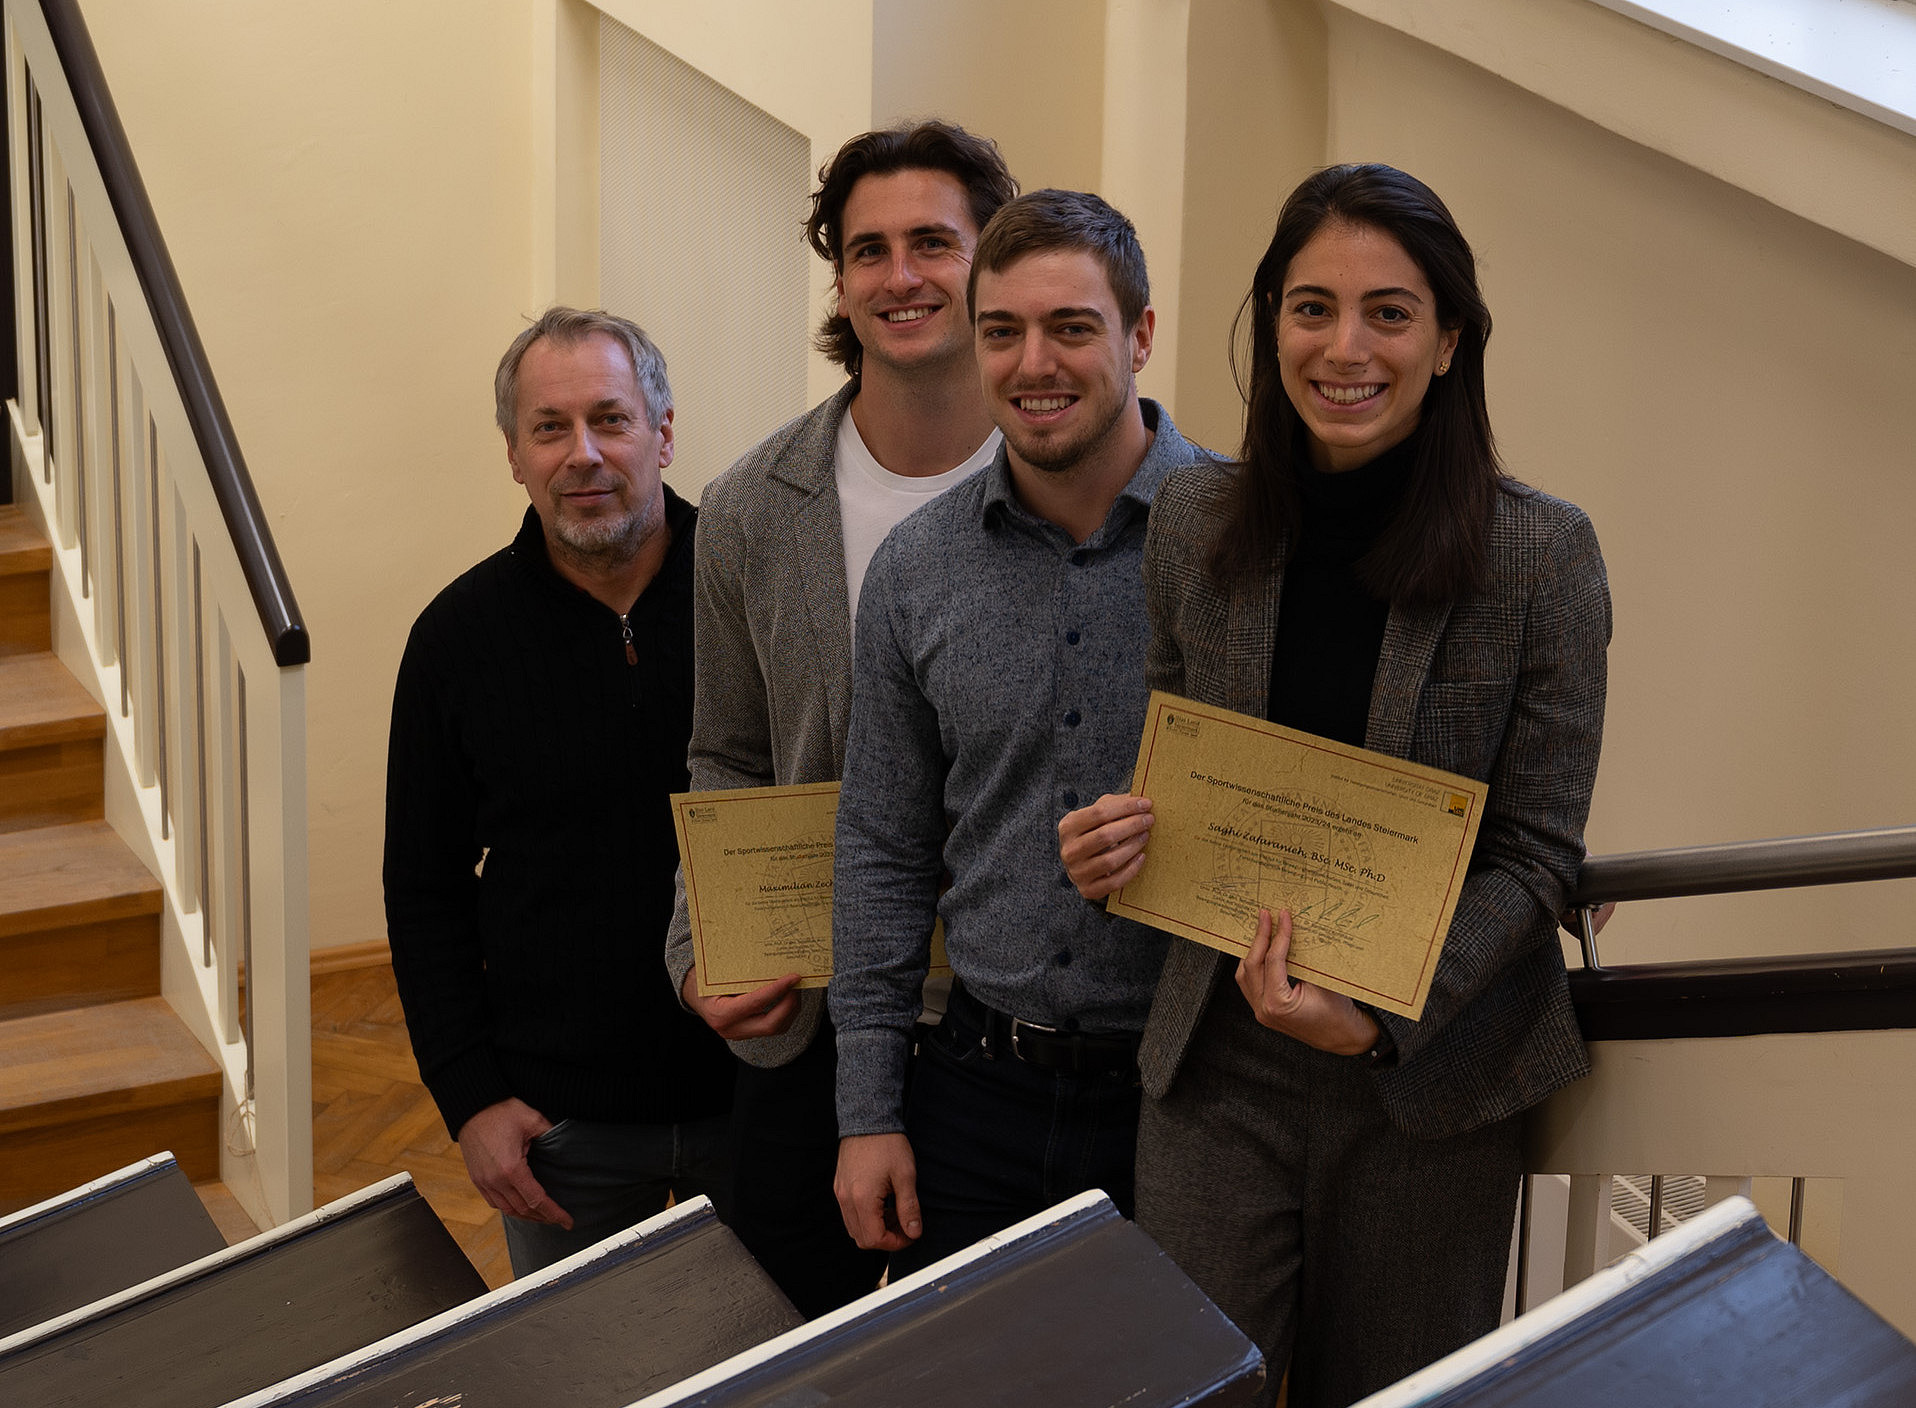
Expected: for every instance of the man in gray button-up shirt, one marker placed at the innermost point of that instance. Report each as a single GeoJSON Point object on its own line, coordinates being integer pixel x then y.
{"type": "Point", "coordinates": [998, 683]}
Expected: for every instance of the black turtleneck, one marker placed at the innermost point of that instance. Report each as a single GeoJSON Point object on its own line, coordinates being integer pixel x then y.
{"type": "Point", "coordinates": [1330, 628]}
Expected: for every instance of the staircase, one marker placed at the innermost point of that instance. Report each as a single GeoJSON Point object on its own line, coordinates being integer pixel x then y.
{"type": "Point", "coordinates": [96, 1070]}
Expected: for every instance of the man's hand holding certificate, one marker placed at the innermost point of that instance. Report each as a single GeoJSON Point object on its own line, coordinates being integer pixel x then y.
{"type": "Point", "coordinates": [1367, 852]}
{"type": "Point", "coordinates": [757, 863]}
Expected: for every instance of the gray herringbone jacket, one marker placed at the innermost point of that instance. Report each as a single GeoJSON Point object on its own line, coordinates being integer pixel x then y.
{"type": "Point", "coordinates": [774, 647]}
{"type": "Point", "coordinates": [1507, 687]}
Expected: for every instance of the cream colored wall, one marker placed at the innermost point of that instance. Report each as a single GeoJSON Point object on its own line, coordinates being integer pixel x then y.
{"type": "Point", "coordinates": [364, 201]}
{"type": "Point", "coordinates": [1724, 387]}
{"type": "Point", "coordinates": [1254, 127]}
{"type": "Point", "coordinates": [343, 189]}
{"type": "Point", "coordinates": [1038, 95]}
{"type": "Point", "coordinates": [1103, 104]}
{"type": "Point", "coordinates": [809, 65]}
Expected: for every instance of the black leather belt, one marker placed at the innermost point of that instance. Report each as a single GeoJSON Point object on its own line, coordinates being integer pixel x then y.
{"type": "Point", "coordinates": [1046, 1047]}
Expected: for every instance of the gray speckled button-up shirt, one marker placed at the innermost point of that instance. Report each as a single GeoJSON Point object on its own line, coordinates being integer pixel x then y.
{"type": "Point", "coordinates": [998, 683]}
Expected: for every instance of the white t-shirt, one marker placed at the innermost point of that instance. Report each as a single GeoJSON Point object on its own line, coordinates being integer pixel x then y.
{"type": "Point", "coordinates": [872, 500]}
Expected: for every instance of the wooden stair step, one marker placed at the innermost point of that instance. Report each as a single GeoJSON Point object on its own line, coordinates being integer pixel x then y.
{"type": "Point", "coordinates": [1719, 1312]}
{"type": "Point", "coordinates": [240, 1320]}
{"type": "Point", "coordinates": [90, 1089]}
{"type": "Point", "coordinates": [655, 1304]}
{"type": "Point", "coordinates": [41, 702]}
{"type": "Point", "coordinates": [99, 1239]}
{"type": "Point", "coordinates": [79, 919]}
{"type": "Point", "coordinates": [22, 549]}
{"type": "Point", "coordinates": [1073, 1306]}
{"type": "Point", "coordinates": [117, 1056]}
{"type": "Point", "coordinates": [56, 876]}
{"type": "Point", "coordinates": [52, 760]}
{"type": "Point", "coordinates": [25, 621]}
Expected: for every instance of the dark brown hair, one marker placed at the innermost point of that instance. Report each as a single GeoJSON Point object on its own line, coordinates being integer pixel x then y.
{"type": "Point", "coordinates": [1053, 219]}
{"type": "Point", "coordinates": [1435, 547]}
{"type": "Point", "coordinates": [930, 145]}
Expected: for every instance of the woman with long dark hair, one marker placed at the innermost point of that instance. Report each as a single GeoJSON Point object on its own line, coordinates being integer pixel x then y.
{"type": "Point", "coordinates": [1342, 1181]}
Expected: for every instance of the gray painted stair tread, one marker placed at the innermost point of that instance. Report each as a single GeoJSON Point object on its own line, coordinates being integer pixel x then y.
{"type": "Point", "coordinates": [1087, 1312]}
{"type": "Point", "coordinates": [101, 1239]}
{"type": "Point", "coordinates": [663, 1303]}
{"type": "Point", "coordinates": [1743, 1320]}
{"type": "Point", "coordinates": [254, 1314]}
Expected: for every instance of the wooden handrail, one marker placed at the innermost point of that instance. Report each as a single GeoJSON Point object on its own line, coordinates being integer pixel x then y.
{"type": "Point", "coordinates": [205, 411]}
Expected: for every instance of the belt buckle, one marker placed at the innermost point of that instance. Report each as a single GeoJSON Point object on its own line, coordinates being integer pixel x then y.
{"type": "Point", "coordinates": [1019, 1023]}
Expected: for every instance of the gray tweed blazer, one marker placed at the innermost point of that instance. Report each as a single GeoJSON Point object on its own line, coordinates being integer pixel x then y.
{"type": "Point", "coordinates": [1506, 687]}
{"type": "Point", "coordinates": [774, 647]}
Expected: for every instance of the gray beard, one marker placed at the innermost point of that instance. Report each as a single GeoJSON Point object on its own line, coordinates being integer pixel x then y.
{"type": "Point", "coordinates": [604, 543]}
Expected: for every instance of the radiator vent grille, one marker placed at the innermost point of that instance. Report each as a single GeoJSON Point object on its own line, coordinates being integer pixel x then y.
{"type": "Point", "coordinates": [1630, 1200]}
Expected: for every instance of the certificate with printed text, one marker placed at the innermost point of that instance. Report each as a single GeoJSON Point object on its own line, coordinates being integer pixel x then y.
{"type": "Point", "coordinates": [1368, 852]}
{"type": "Point", "coordinates": [758, 884]}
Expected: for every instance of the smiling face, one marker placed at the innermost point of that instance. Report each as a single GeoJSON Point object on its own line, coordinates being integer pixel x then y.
{"type": "Point", "coordinates": [1058, 365]}
{"type": "Point", "coordinates": [1358, 341]}
{"type": "Point", "coordinates": [909, 239]}
{"type": "Point", "coordinates": [585, 448]}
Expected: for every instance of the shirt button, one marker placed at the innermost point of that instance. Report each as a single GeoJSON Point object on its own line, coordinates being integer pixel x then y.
{"type": "Point", "coordinates": [1080, 557]}
{"type": "Point", "coordinates": [1071, 719]}
{"type": "Point", "coordinates": [1064, 958]}
{"type": "Point", "coordinates": [1070, 799]}
{"type": "Point", "coordinates": [1070, 637]}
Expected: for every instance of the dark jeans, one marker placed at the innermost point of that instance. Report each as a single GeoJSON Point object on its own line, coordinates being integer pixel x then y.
{"type": "Point", "coordinates": [997, 1140]}
{"type": "Point", "coordinates": [610, 1176]}
{"type": "Point", "coordinates": [785, 1140]}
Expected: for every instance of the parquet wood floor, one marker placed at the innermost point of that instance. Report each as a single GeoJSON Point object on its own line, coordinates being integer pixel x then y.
{"type": "Point", "coordinates": [372, 1118]}
{"type": "Point", "coordinates": [234, 1222]}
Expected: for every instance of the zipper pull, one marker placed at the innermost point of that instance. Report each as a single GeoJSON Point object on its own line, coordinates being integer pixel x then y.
{"type": "Point", "coordinates": [631, 655]}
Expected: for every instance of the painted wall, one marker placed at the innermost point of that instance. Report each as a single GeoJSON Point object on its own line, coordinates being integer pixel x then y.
{"type": "Point", "coordinates": [1724, 387]}
{"type": "Point", "coordinates": [364, 201]}
{"type": "Point", "coordinates": [1256, 108]}
{"type": "Point", "coordinates": [1033, 83]}
{"type": "Point", "coordinates": [343, 189]}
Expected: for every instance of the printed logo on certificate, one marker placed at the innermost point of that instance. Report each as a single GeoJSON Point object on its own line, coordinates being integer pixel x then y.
{"type": "Point", "coordinates": [757, 863]}
{"type": "Point", "coordinates": [1368, 852]}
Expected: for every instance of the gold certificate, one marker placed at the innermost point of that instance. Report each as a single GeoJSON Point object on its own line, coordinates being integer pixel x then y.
{"type": "Point", "coordinates": [1368, 852]}
{"type": "Point", "coordinates": [758, 884]}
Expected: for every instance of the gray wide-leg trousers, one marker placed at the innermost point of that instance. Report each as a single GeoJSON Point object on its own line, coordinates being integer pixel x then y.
{"type": "Point", "coordinates": [1346, 1250]}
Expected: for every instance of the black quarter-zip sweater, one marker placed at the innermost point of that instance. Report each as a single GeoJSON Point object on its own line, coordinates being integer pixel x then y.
{"type": "Point", "coordinates": [524, 732]}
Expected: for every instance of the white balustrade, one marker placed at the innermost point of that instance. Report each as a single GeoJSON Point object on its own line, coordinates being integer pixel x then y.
{"type": "Point", "coordinates": [152, 605]}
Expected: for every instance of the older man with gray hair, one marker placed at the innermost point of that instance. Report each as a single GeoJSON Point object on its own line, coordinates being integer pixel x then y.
{"type": "Point", "coordinates": [539, 725]}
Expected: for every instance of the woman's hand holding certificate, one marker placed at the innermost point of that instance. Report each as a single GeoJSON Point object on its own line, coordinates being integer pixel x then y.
{"type": "Point", "coordinates": [1365, 851]}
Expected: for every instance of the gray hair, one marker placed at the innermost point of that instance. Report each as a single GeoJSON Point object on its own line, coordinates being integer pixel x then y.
{"type": "Point", "coordinates": [568, 327]}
